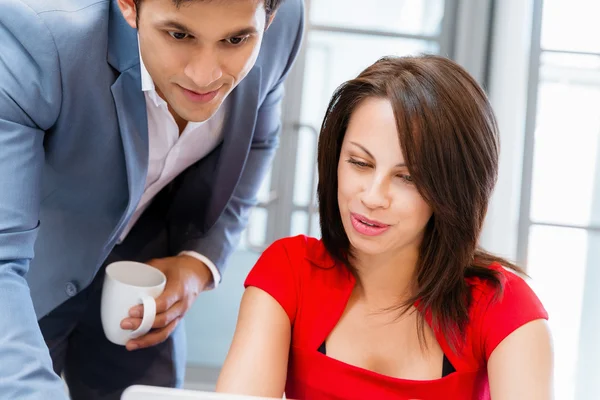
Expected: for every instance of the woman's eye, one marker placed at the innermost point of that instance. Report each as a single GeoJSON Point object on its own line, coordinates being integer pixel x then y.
{"type": "Point", "coordinates": [406, 178]}
{"type": "Point", "coordinates": [236, 41]}
{"type": "Point", "coordinates": [179, 35]}
{"type": "Point", "coordinates": [359, 164]}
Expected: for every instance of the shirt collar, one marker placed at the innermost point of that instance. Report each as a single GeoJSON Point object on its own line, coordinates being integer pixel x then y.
{"type": "Point", "coordinates": [147, 82]}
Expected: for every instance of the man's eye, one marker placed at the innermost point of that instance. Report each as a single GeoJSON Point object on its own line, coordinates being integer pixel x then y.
{"type": "Point", "coordinates": [178, 35]}
{"type": "Point", "coordinates": [236, 41]}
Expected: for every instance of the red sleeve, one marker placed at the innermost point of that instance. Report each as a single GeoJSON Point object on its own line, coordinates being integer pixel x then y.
{"type": "Point", "coordinates": [274, 273]}
{"type": "Point", "coordinates": [515, 307]}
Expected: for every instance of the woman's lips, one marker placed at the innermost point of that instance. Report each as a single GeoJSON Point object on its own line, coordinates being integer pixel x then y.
{"type": "Point", "coordinates": [366, 226]}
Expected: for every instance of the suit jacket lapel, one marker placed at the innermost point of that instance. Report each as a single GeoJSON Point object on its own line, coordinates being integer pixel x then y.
{"type": "Point", "coordinates": [133, 124]}
{"type": "Point", "coordinates": [130, 103]}
{"type": "Point", "coordinates": [237, 138]}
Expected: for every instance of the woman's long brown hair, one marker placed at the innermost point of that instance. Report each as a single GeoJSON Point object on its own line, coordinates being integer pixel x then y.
{"type": "Point", "coordinates": [449, 139]}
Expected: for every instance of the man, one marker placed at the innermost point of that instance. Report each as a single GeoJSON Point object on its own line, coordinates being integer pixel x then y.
{"type": "Point", "coordinates": [129, 130]}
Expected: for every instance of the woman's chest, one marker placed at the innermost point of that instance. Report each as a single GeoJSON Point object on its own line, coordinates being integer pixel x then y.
{"type": "Point", "coordinates": [315, 376]}
{"type": "Point", "coordinates": [386, 343]}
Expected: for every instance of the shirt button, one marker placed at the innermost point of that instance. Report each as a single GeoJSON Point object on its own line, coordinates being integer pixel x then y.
{"type": "Point", "coordinates": [71, 289]}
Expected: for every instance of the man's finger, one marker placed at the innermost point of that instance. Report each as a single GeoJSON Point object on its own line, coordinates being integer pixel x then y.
{"type": "Point", "coordinates": [165, 318]}
{"type": "Point", "coordinates": [167, 299]}
{"type": "Point", "coordinates": [163, 303]}
{"type": "Point", "coordinates": [152, 338]}
{"type": "Point", "coordinates": [136, 311]}
{"type": "Point", "coordinates": [131, 323]}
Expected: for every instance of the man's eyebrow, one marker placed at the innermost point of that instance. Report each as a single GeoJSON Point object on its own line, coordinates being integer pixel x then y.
{"type": "Point", "coordinates": [250, 30]}
{"type": "Point", "coordinates": [175, 25]}
{"type": "Point", "coordinates": [242, 32]}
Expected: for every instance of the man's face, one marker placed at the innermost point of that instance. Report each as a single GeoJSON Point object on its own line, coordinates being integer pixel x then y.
{"type": "Point", "coordinates": [197, 54]}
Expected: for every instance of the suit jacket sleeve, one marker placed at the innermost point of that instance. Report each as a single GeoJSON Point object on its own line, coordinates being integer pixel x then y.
{"type": "Point", "coordinates": [30, 99]}
{"type": "Point", "coordinates": [220, 241]}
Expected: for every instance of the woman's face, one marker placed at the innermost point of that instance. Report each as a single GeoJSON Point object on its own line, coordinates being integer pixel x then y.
{"type": "Point", "coordinates": [381, 209]}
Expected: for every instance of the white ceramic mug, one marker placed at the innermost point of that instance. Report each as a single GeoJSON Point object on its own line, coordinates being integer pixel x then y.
{"type": "Point", "coordinates": [127, 284]}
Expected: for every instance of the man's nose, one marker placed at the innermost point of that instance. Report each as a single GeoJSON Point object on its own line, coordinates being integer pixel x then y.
{"type": "Point", "coordinates": [204, 69]}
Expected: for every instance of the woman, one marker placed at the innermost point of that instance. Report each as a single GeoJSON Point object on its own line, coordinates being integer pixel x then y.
{"type": "Point", "coordinates": [396, 300]}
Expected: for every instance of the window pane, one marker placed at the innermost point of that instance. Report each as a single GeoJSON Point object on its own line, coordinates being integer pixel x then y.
{"type": "Point", "coordinates": [418, 17]}
{"type": "Point", "coordinates": [265, 187]}
{"type": "Point", "coordinates": [571, 25]}
{"type": "Point", "coordinates": [565, 172]}
{"type": "Point", "coordinates": [210, 322]}
{"type": "Point", "coordinates": [560, 261]}
{"type": "Point", "coordinates": [255, 234]}
{"type": "Point", "coordinates": [588, 370]}
{"type": "Point", "coordinates": [315, 229]}
{"type": "Point", "coordinates": [306, 166]}
{"type": "Point", "coordinates": [333, 58]}
{"type": "Point", "coordinates": [299, 223]}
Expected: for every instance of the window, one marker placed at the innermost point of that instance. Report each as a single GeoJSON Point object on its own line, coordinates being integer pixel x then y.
{"type": "Point", "coordinates": [342, 38]}
{"type": "Point", "coordinates": [559, 230]}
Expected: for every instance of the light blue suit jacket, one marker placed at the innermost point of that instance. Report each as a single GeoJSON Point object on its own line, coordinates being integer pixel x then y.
{"type": "Point", "coordinates": [73, 162]}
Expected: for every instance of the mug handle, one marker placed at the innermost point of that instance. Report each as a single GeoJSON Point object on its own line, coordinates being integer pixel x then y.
{"type": "Point", "coordinates": [148, 318]}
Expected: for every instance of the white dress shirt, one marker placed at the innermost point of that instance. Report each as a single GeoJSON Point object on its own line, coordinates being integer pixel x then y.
{"type": "Point", "coordinates": [171, 153]}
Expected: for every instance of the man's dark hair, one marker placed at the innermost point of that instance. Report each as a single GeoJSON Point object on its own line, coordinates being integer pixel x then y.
{"type": "Point", "coordinates": [270, 5]}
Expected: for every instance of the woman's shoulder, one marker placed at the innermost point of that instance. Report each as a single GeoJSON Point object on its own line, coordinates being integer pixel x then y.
{"type": "Point", "coordinates": [303, 252]}
{"type": "Point", "coordinates": [497, 309]}
{"type": "Point", "coordinates": [298, 272]}
{"type": "Point", "coordinates": [509, 285]}
{"type": "Point", "coordinates": [301, 260]}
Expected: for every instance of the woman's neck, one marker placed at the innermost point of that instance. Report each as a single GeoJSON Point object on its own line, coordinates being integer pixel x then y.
{"type": "Point", "coordinates": [385, 280]}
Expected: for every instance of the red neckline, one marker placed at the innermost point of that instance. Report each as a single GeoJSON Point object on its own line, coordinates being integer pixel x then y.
{"type": "Point", "coordinates": [337, 310]}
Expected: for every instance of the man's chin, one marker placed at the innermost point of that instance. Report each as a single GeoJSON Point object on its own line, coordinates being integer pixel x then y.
{"type": "Point", "coordinates": [199, 115]}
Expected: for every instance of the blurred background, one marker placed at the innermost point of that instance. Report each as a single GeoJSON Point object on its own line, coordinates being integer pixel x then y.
{"type": "Point", "coordinates": [539, 61]}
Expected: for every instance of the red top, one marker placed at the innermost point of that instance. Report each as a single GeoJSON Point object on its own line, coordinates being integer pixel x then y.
{"type": "Point", "coordinates": [313, 290]}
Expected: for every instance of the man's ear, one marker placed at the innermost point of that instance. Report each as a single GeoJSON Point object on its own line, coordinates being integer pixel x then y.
{"type": "Point", "coordinates": [270, 20]}
{"type": "Point", "coordinates": [129, 12]}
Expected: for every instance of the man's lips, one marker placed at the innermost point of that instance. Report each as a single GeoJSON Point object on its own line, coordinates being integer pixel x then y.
{"type": "Point", "coordinates": [200, 97]}
{"type": "Point", "coordinates": [204, 93]}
